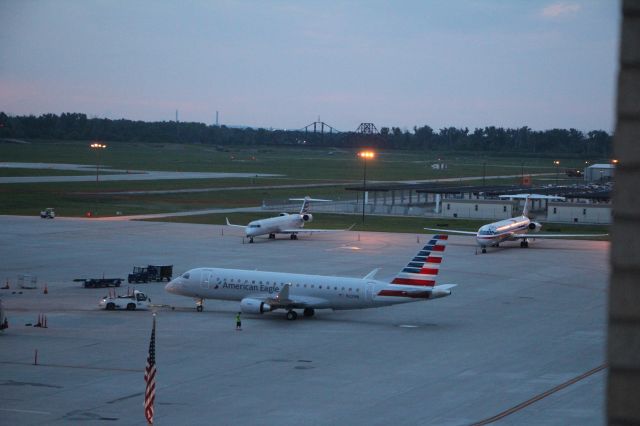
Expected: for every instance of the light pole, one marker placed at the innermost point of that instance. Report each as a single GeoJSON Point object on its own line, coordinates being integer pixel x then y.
{"type": "Point", "coordinates": [365, 155]}
{"type": "Point", "coordinates": [96, 146]}
{"type": "Point", "coordinates": [557, 163]}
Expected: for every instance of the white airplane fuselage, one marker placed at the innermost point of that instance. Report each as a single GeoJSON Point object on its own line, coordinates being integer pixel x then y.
{"type": "Point", "coordinates": [494, 233]}
{"type": "Point", "coordinates": [275, 225]}
{"type": "Point", "coordinates": [320, 292]}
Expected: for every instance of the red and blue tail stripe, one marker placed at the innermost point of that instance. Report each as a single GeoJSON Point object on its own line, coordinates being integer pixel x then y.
{"type": "Point", "coordinates": [423, 268]}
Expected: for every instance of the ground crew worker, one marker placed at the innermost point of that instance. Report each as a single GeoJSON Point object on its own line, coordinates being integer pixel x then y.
{"type": "Point", "coordinates": [238, 322]}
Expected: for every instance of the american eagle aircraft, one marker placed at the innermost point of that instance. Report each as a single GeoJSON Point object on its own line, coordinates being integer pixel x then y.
{"type": "Point", "coordinates": [284, 223]}
{"type": "Point", "coordinates": [260, 292]}
{"type": "Point", "coordinates": [516, 228]}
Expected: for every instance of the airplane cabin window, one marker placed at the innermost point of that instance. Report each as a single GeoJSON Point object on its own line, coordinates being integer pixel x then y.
{"type": "Point", "coordinates": [185, 276]}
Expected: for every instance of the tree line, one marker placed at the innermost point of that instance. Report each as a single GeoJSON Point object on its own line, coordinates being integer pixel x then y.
{"type": "Point", "coordinates": [77, 126]}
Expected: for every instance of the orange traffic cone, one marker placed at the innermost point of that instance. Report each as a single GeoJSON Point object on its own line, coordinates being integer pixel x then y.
{"type": "Point", "coordinates": [46, 290]}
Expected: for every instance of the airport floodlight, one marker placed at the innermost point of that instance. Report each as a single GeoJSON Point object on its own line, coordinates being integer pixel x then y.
{"type": "Point", "coordinates": [365, 155]}
{"type": "Point", "coordinates": [97, 146]}
{"type": "Point", "coordinates": [614, 161]}
{"type": "Point", "coordinates": [557, 164]}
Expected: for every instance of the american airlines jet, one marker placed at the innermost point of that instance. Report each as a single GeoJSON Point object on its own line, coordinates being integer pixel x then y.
{"type": "Point", "coordinates": [260, 292]}
{"type": "Point", "coordinates": [513, 229]}
{"type": "Point", "coordinates": [284, 223]}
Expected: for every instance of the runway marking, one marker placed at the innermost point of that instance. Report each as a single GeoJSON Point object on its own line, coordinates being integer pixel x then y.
{"type": "Point", "coordinates": [538, 397]}
{"type": "Point", "coordinates": [408, 326]}
{"type": "Point", "coordinates": [74, 366]}
{"type": "Point", "coordinates": [15, 410]}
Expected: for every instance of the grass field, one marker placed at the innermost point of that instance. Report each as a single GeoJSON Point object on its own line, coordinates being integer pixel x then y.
{"type": "Point", "coordinates": [298, 165]}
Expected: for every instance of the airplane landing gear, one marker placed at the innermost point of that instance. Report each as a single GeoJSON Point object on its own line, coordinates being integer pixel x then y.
{"type": "Point", "coordinates": [250, 240]}
{"type": "Point", "coordinates": [272, 236]}
{"type": "Point", "coordinates": [294, 236]}
{"type": "Point", "coordinates": [524, 243]}
{"type": "Point", "coordinates": [199, 303]}
{"type": "Point", "coordinates": [292, 315]}
{"type": "Point", "coordinates": [484, 249]}
{"type": "Point", "coordinates": [308, 312]}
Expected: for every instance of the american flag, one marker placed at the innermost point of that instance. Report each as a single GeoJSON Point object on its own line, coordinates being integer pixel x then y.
{"type": "Point", "coordinates": [150, 376]}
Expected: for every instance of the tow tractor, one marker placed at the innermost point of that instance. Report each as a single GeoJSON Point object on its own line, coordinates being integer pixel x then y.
{"type": "Point", "coordinates": [137, 300]}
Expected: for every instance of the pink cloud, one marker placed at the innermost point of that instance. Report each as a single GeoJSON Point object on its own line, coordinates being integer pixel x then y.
{"type": "Point", "coordinates": [560, 9]}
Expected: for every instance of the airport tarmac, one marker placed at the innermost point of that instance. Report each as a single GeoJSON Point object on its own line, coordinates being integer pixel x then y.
{"type": "Point", "coordinates": [521, 339]}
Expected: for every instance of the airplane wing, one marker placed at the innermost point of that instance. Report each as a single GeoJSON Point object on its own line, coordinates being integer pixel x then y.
{"type": "Point", "coordinates": [309, 230]}
{"type": "Point", "coordinates": [283, 300]}
{"type": "Point", "coordinates": [452, 231]}
{"type": "Point", "coordinates": [371, 274]}
{"type": "Point", "coordinates": [235, 226]}
{"type": "Point", "coordinates": [535, 235]}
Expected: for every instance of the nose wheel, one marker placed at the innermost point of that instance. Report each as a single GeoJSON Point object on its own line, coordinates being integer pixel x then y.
{"type": "Point", "coordinates": [294, 236]}
{"type": "Point", "coordinates": [199, 303]}
{"type": "Point", "coordinates": [524, 243]}
{"type": "Point", "coordinates": [484, 249]}
{"type": "Point", "coordinates": [250, 240]}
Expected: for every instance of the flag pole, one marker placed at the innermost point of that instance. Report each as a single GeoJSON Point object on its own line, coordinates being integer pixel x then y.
{"type": "Point", "coordinates": [150, 376]}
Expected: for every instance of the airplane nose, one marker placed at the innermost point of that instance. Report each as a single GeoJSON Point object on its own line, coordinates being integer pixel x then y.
{"type": "Point", "coordinates": [172, 286]}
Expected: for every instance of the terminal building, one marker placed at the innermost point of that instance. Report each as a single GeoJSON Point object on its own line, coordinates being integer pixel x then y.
{"type": "Point", "coordinates": [582, 204]}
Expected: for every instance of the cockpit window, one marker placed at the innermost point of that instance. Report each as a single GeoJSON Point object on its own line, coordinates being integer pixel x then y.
{"type": "Point", "coordinates": [255, 225]}
{"type": "Point", "coordinates": [185, 275]}
{"type": "Point", "coordinates": [486, 232]}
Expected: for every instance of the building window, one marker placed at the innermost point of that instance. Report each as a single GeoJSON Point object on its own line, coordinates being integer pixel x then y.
{"type": "Point", "coordinates": [555, 210]}
{"type": "Point", "coordinates": [476, 207]}
{"type": "Point", "coordinates": [448, 206]}
{"type": "Point", "coordinates": [584, 212]}
{"type": "Point", "coordinates": [504, 208]}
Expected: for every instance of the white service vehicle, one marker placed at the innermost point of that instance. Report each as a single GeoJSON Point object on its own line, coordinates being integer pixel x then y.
{"type": "Point", "coordinates": [137, 300]}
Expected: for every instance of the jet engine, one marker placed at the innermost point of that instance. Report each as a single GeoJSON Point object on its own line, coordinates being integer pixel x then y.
{"type": "Point", "coordinates": [307, 217]}
{"type": "Point", "coordinates": [254, 306]}
{"type": "Point", "coordinates": [535, 226]}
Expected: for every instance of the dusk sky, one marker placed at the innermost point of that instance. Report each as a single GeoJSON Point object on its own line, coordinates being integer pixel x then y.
{"type": "Point", "coordinates": [283, 64]}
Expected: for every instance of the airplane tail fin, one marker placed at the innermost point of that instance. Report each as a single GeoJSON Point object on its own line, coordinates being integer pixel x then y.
{"type": "Point", "coordinates": [306, 203]}
{"type": "Point", "coordinates": [423, 268]}
{"type": "Point", "coordinates": [525, 209]}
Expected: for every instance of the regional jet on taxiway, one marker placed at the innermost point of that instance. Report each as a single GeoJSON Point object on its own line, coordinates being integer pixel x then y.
{"type": "Point", "coordinates": [284, 223]}
{"type": "Point", "coordinates": [260, 292]}
{"type": "Point", "coordinates": [513, 229]}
